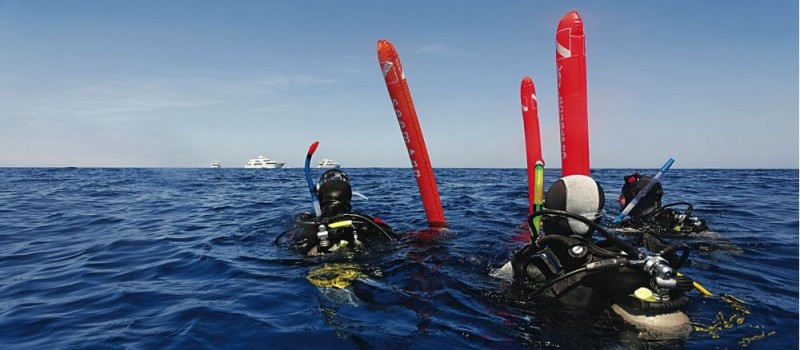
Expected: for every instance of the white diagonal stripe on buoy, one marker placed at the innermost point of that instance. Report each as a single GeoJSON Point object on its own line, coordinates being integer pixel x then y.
{"type": "Point", "coordinates": [563, 51]}
{"type": "Point", "coordinates": [386, 68]}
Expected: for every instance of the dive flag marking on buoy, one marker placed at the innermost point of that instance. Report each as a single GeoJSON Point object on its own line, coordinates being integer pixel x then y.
{"type": "Point", "coordinates": [400, 96]}
{"type": "Point", "coordinates": [561, 49]}
{"type": "Point", "coordinates": [572, 102]}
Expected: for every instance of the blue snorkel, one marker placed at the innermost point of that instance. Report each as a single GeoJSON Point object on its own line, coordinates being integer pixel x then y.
{"type": "Point", "coordinates": [644, 191]}
{"type": "Point", "coordinates": [314, 200]}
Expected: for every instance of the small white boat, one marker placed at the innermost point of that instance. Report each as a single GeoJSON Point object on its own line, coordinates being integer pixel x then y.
{"type": "Point", "coordinates": [328, 163]}
{"type": "Point", "coordinates": [215, 164]}
{"type": "Point", "coordinates": [263, 163]}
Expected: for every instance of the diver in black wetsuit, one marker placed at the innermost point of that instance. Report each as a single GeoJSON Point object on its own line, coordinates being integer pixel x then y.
{"type": "Point", "coordinates": [567, 264]}
{"type": "Point", "coordinates": [337, 228]}
{"type": "Point", "coordinates": [650, 215]}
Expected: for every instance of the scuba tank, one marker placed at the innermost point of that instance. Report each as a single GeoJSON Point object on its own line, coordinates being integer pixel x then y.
{"type": "Point", "coordinates": [575, 270]}
{"type": "Point", "coordinates": [318, 236]}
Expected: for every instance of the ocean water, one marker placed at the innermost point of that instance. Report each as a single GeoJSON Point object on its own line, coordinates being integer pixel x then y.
{"type": "Point", "coordinates": [184, 259]}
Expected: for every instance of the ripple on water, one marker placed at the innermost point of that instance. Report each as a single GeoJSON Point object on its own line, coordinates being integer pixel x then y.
{"type": "Point", "coordinates": [184, 258]}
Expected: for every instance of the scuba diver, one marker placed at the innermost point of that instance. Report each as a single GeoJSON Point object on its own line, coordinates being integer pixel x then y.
{"type": "Point", "coordinates": [650, 215]}
{"type": "Point", "coordinates": [565, 263]}
{"type": "Point", "coordinates": [335, 227]}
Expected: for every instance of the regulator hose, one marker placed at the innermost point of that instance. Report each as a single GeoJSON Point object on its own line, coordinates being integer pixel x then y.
{"type": "Point", "coordinates": [658, 306]}
{"type": "Point", "coordinates": [688, 205]}
{"type": "Point", "coordinates": [624, 246]}
{"type": "Point", "coordinates": [550, 283]}
{"type": "Point", "coordinates": [391, 237]}
{"type": "Point", "coordinates": [684, 284]}
{"type": "Point", "coordinates": [275, 242]}
{"type": "Point", "coordinates": [661, 209]}
{"type": "Point", "coordinates": [589, 268]}
{"type": "Point", "coordinates": [669, 250]}
{"type": "Point", "coordinates": [570, 241]}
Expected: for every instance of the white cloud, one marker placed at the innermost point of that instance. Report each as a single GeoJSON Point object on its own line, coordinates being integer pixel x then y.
{"type": "Point", "coordinates": [121, 99]}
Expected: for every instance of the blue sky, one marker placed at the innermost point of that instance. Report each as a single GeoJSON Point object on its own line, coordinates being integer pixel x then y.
{"type": "Point", "coordinates": [181, 83]}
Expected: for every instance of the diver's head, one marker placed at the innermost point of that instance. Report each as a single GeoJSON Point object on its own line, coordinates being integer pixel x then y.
{"type": "Point", "coordinates": [334, 193]}
{"type": "Point", "coordinates": [577, 194]}
{"type": "Point", "coordinates": [648, 203]}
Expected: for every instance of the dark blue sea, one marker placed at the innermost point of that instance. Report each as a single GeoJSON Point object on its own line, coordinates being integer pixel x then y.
{"type": "Point", "coordinates": [184, 259]}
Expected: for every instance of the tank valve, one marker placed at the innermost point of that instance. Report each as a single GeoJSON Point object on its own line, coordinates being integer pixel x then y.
{"type": "Point", "coordinates": [322, 234]}
{"type": "Point", "coordinates": [663, 276]}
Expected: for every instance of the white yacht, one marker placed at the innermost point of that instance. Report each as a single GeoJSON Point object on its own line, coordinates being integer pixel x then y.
{"type": "Point", "coordinates": [263, 163]}
{"type": "Point", "coordinates": [328, 163]}
{"type": "Point", "coordinates": [215, 164]}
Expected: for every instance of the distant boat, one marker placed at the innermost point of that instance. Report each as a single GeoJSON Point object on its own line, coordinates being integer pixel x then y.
{"type": "Point", "coordinates": [215, 164]}
{"type": "Point", "coordinates": [263, 163]}
{"type": "Point", "coordinates": [328, 163]}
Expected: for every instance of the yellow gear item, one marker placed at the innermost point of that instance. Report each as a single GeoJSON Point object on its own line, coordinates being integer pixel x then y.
{"type": "Point", "coordinates": [699, 288]}
{"type": "Point", "coordinates": [334, 275]}
{"type": "Point", "coordinates": [644, 294]}
{"type": "Point", "coordinates": [340, 224]}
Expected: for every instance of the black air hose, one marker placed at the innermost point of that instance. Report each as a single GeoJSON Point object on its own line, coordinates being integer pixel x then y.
{"type": "Point", "coordinates": [624, 246]}
{"type": "Point", "coordinates": [669, 250]}
{"type": "Point", "coordinates": [570, 241]}
{"type": "Point", "coordinates": [392, 236]}
{"type": "Point", "coordinates": [663, 306]}
{"type": "Point", "coordinates": [684, 284]}
{"type": "Point", "coordinates": [688, 211]}
{"type": "Point", "coordinates": [589, 268]}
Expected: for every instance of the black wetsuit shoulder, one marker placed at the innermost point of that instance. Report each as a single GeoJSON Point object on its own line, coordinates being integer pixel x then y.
{"type": "Point", "coordinates": [353, 229]}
